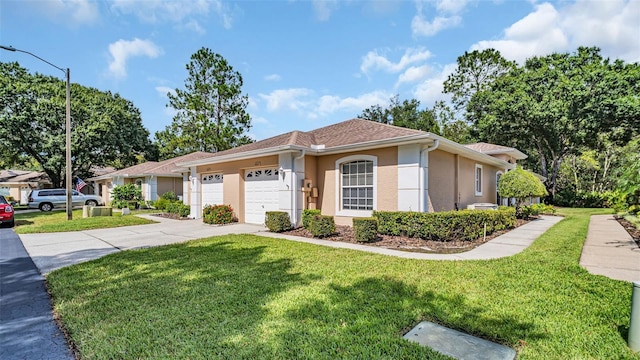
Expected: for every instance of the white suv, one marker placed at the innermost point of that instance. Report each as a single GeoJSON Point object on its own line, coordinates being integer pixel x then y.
{"type": "Point", "coordinates": [47, 199]}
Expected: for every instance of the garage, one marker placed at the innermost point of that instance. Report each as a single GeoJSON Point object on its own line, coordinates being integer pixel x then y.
{"type": "Point", "coordinates": [260, 194]}
{"type": "Point", "coordinates": [212, 191]}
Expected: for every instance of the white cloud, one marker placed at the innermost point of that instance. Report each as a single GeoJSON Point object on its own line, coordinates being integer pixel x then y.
{"type": "Point", "coordinates": [323, 8]}
{"type": "Point", "coordinates": [329, 104]}
{"type": "Point", "coordinates": [447, 17]}
{"type": "Point", "coordinates": [430, 90]}
{"type": "Point", "coordinates": [122, 50]}
{"type": "Point", "coordinates": [610, 25]}
{"type": "Point", "coordinates": [375, 61]}
{"type": "Point", "coordinates": [179, 12]}
{"type": "Point", "coordinates": [273, 77]}
{"type": "Point", "coordinates": [164, 90]}
{"type": "Point", "coordinates": [413, 74]}
{"type": "Point", "coordinates": [422, 27]}
{"type": "Point", "coordinates": [291, 99]}
{"type": "Point", "coordinates": [260, 120]}
{"type": "Point", "coordinates": [78, 11]}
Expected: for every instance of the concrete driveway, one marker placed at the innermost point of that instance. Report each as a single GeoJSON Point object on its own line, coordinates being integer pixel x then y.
{"type": "Point", "coordinates": [52, 251]}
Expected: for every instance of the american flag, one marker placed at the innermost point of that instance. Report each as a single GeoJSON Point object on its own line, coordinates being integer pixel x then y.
{"type": "Point", "coordinates": [80, 184]}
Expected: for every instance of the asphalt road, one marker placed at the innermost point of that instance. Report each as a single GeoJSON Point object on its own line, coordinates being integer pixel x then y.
{"type": "Point", "coordinates": [27, 328]}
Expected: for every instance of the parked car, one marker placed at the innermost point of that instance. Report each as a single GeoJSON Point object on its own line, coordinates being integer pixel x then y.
{"type": "Point", "coordinates": [48, 199]}
{"type": "Point", "coordinates": [6, 212]}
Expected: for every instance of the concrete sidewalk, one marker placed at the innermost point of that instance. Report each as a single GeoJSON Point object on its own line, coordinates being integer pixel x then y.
{"type": "Point", "coordinates": [505, 245]}
{"type": "Point", "coordinates": [610, 251]}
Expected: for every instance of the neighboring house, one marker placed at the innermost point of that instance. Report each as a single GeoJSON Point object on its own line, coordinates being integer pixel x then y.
{"type": "Point", "coordinates": [18, 183]}
{"type": "Point", "coordinates": [347, 170]}
{"type": "Point", "coordinates": [152, 177]}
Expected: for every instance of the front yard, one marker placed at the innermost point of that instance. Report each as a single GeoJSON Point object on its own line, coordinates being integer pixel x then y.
{"type": "Point", "coordinates": [56, 221]}
{"type": "Point", "coordinates": [250, 297]}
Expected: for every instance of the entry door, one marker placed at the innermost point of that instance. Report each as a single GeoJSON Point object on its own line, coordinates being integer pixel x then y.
{"type": "Point", "coordinates": [24, 195]}
{"type": "Point", "coordinates": [261, 194]}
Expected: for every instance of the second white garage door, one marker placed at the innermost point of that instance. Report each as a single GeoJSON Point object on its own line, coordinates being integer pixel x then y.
{"type": "Point", "coordinates": [212, 190]}
{"type": "Point", "coordinates": [261, 194]}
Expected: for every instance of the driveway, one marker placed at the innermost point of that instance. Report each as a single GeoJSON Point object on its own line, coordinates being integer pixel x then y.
{"type": "Point", "coordinates": [52, 251]}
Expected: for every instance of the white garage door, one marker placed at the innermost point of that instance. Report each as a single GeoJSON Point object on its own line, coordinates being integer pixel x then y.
{"type": "Point", "coordinates": [260, 194]}
{"type": "Point", "coordinates": [212, 189]}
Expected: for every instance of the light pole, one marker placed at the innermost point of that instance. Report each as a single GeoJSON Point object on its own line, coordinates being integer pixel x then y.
{"type": "Point", "coordinates": [67, 124]}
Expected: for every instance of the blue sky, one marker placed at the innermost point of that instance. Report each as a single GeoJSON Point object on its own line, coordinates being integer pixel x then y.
{"type": "Point", "coordinates": [305, 64]}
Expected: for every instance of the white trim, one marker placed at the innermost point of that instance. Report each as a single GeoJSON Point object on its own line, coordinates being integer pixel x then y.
{"type": "Point", "coordinates": [478, 180]}
{"type": "Point", "coordinates": [338, 186]}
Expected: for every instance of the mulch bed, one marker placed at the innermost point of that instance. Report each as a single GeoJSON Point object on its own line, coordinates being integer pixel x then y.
{"type": "Point", "coordinates": [633, 231]}
{"type": "Point", "coordinates": [171, 216]}
{"type": "Point", "coordinates": [403, 243]}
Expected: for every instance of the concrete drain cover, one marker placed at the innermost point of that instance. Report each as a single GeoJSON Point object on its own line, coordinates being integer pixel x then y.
{"type": "Point", "coordinates": [456, 344]}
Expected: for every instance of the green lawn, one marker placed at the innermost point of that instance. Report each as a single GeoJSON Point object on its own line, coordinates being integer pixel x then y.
{"type": "Point", "coordinates": [56, 221]}
{"type": "Point", "coordinates": [250, 297]}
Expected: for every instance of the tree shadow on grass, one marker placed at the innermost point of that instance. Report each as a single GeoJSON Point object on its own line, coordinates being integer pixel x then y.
{"type": "Point", "coordinates": [180, 301]}
{"type": "Point", "coordinates": [368, 319]}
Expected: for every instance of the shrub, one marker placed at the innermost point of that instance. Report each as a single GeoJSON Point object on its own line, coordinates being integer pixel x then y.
{"type": "Point", "coordinates": [217, 214]}
{"type": "Point", "coordinates": [169, 195]}
{"type": "Point", "coordinates": [161, 204]}
{"type": "Point", "coordinates": [447, 225]}
{"type": "Point", "coordinates": [176, 207]}
{"type": "Point", "coordinates": [277, 221]}
{"type": "Point", "coordinates": [365, 229]}
{"type": "Point", "coordinates": [128, 192]}
{"type": "Point", "coordinates": [322, 226]}
{"type": "Point", "coordinates": [307, 215]}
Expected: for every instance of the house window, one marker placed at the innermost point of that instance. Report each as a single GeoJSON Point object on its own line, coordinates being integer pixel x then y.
{"type": "Point", "coordinates": [356, 185]}
{"type": "Point", "coordinates": [139, 183]}
{"type": "Point", "coordinates": [498, 198]}
{"type": "Point", "coordinates": [478, 182]}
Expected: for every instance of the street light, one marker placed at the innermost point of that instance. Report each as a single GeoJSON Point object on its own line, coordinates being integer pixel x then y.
{"type": "Point", "coordinates": [67, 125]}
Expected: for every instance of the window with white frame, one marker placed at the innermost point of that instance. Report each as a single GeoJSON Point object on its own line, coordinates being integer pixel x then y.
{"type": "Point", "coordinates": [478, 180]}
{"type": "Point", "coordinates": [357, 185]}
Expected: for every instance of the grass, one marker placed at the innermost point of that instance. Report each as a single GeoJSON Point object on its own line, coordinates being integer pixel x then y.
{"type": "Point", "coordinates": [56, 221]}
{"type": "Point", "coordinates": [246, 297]}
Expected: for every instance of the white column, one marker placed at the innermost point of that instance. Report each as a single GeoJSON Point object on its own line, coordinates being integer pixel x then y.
{"type": "Point", "coordinates": [196, 206]}
{"type": "Point", "coordinates": [185, 189]}
{"type": "Point", "coordinates": [287, 184]}
{"type": "Point", "coordinates": [409, 178]}
{"type": "Point", "coordinates": [298, 178]}
{"type": "Point", "coordinates": [151, 191]}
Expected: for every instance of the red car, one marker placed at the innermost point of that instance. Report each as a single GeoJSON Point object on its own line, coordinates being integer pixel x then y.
{"type": "Point", "coordinates": [6, 212]}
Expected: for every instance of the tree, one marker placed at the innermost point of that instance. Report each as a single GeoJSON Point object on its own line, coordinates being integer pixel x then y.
{"type": "Point", "coordinates": [211, 111]}
{"type": "Point", "coordinates": [406, 114]}
{"type": "Point", "coordinates": [558, 105]}
{"type": "Point", "coordinates": [106, 129]}
{"type": "Point", "coordinates": [520, 185]}
{"type": "Point", "coordinates": [476, 71]}
{"type": "Point", "coordinates": [449, 126]}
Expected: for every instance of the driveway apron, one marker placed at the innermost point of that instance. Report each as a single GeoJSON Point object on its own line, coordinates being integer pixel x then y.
{"type": "Point", "coordinates": [27, 328]}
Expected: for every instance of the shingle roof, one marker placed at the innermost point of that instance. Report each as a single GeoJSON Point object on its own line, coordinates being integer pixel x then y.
{"type": "Point", "coordinates": [486, 147]}
{"type": "Point", "coordinates": [348, 132]}
{"type": "Point", "coordinates": [165, 167]}
{"type": "Point", "coordinates": [23, 176]}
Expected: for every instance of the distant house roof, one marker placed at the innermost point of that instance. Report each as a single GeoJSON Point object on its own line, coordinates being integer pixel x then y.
{"type": "Point", "coordinates": [493, 149]}
{"type": "Point", "coordinates": [158, 168]}
{"type": "Point", "coordinates": [23, 176]}
{"type": "Point", "coordinates": [350, 135]}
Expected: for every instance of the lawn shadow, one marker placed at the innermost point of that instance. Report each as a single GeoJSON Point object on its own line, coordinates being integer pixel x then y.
{"type": "Point", "coordinates": [370, 317]}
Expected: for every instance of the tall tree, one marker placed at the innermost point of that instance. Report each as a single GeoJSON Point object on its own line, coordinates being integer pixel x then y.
{"type": "Point", "coordinates": [211, 110]}
{"type": "Point", "coordinates": [404, 114]}
{"type": "Point", "coordinates": [476, 71]}
{"type": "Point", "coordinates": [559, 104]}
{"type": "Point", "coordinates": [106, 129]}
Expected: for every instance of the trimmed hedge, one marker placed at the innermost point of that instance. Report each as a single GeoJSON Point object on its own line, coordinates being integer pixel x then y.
{"type": "Point", "coordinates": [365, 229]}
{"type": "Point", "coordinates": [217, 214]}
{"type": "Point", "coordinates": [307, 215]}
{"type": "Point", "coordinates": [463, 225]}
{"type": "Point", "coordinates": [277, 221]}
{"type": "Point", "coordinates": [322, 226]}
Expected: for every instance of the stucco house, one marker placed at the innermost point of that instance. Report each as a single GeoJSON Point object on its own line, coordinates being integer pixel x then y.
{"type": "Point", "coordinates": [348, 170]}
{"type": "Point", "coordinates": [154, 178]}
{"type": "Point", "coordinates": [18, 183]}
